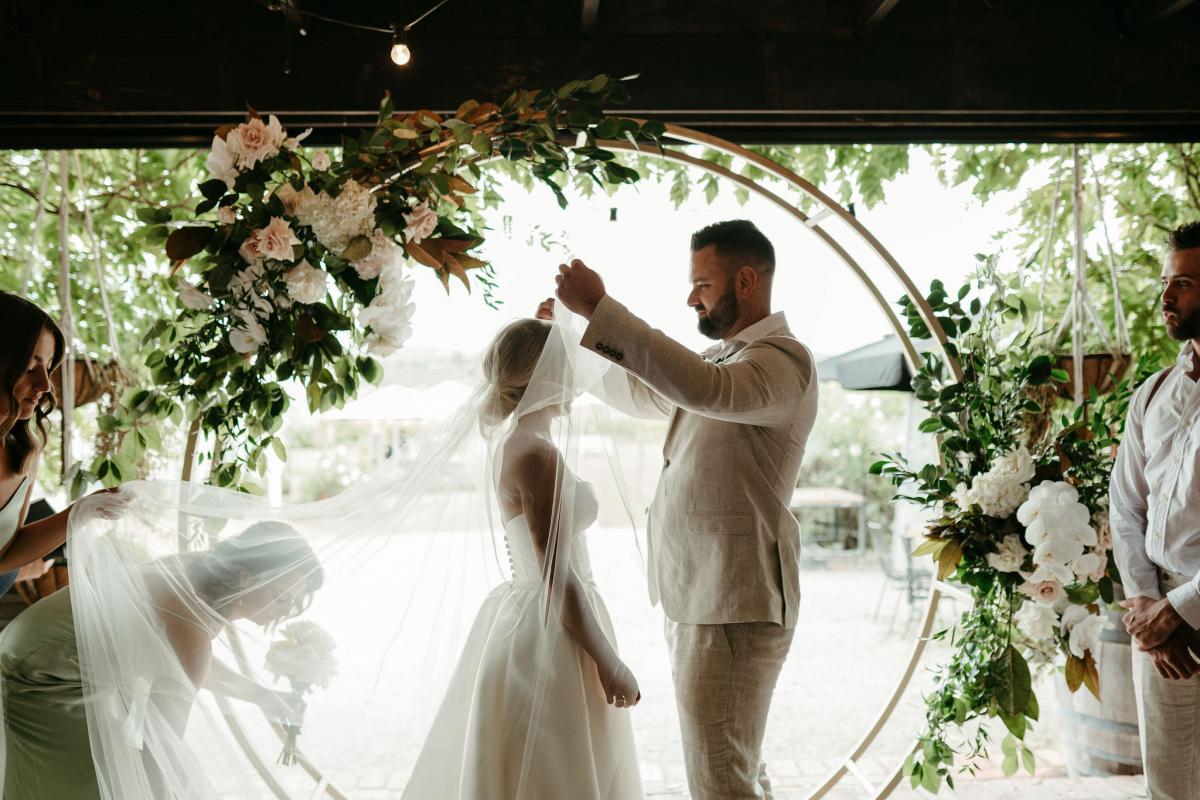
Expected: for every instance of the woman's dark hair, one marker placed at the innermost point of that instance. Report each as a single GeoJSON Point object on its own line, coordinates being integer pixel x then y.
{"type": "Point", "coordinates": [23, 326]}
{"type": "Point", "coordinates": [265, 551]}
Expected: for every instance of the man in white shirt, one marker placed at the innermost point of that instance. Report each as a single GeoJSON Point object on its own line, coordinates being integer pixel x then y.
{"type": "Point", "coordinates": [1154, 508]}
{"type": "Point", "coordinates": [723, 548]}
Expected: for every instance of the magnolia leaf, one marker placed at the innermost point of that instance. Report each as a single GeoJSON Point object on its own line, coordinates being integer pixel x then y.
{"type": "Point", "coordinates": [405, 132]}
{"type": "Point", "coordinates": [466, 108]}
{"type": "Point", "coordinates": [358, 248]}
{"type": "Point", "coordinates": [183, 243]}
{"type": "Point", "coordinates": [930, 546]}
{"type": "Point", "coordinates": [481, 112]}
{"type": "Point", "coordinates": [1016, 684]}
{"type": "Point", "coordinates": [308, 330]}
{"type": "Point", "coordinates": [457, 270]}
{"type": "Point", "coordinates": [421, 255]}
{"type": "Point", "coordinates": [1028, 760]}
{"type": "Point", "coordinates": [1074, 672]}
{"type": "Point", "coordinates": [461, 185]}
{"type": "Point", "coordinates": [1091, 677]}
{"type": "Point", "coordinates": [948, 559]}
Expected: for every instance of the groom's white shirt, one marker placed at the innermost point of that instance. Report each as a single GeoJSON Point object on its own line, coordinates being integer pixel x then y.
{"type": "Point", "coordinates": [723, 545]}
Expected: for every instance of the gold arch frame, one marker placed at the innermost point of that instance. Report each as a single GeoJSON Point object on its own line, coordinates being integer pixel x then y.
{"type": "Point", "coordinates": [680, 136]}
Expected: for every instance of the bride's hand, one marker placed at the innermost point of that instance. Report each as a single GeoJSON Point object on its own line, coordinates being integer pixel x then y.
{"type": "Point", "coordinates": [621, 687]}
{"type": "Point", "coordinates": [545, 310]}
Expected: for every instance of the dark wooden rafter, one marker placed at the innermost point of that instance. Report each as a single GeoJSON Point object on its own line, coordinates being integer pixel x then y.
{"type": "Point", "coordinates": [590, 12]}
{"type": "Point", "coordinates": [870, 13]}
{"type": "Point", "coordinates": [1141, 14]}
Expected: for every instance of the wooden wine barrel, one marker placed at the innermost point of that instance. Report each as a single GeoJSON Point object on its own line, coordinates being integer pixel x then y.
{"type": "Point", "coordinates": [1100, 737]}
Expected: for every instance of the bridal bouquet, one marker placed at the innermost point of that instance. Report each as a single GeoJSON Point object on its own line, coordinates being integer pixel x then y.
{"type": "Point", "coordinates": [304, 656]}
{"type": "Point", "coordinates": [1021, 497]}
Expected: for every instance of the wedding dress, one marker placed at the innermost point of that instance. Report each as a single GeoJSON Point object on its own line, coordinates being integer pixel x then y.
{"type": "Point", "coordinates": [481, 744]}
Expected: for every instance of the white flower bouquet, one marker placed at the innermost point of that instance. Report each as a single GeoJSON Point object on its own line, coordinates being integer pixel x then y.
{"type": "Point", "coordinates": [304, 657]}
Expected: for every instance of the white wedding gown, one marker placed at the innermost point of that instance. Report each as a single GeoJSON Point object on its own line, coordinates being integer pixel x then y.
{"type": "Point", "coordinates": [582, 748]}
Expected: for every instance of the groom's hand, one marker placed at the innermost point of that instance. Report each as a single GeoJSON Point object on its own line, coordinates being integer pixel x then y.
{"type": "Point", "coordinates": [579, 288]}
{"type": "Point", "coordinates": [1150, 621]}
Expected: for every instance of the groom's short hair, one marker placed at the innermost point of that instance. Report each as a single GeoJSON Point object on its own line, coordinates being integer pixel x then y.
{"type": "Point", "coordinates": [738, 243]}
{"type": "Point", "coordinates": [1185, 237]}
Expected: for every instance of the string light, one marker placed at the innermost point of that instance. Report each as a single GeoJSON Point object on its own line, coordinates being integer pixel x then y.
{"type": "Point", "coordinates": [400, 52]}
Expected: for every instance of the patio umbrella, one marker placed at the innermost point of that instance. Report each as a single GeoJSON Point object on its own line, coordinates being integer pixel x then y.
{"type": "Point", "coordinates": [879, 365]}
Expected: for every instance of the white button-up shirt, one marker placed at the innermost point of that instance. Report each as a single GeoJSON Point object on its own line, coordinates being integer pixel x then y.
{"type": "Point", "coordinates": [1154, 492]}
{"type": "Point", "coordinates": [772, 323]}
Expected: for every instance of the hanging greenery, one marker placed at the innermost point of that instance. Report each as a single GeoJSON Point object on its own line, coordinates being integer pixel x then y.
{"type": "Point", "coordinates": [296, 267]}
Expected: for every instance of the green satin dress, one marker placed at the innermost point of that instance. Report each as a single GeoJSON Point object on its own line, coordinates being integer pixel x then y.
{"type": "Point", "coordinates": [47, 753]}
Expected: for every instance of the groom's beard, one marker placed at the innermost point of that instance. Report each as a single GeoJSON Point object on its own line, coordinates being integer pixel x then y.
{"type": "Point", "coordinates": [1185, 328]}
{"type": "Point", "coordinates": [716, 323]}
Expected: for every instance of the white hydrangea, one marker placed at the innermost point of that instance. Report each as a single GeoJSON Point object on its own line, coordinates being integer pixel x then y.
{"type": "Point", "coordinates": [337, 220]}
{"type": "Point", "coordinates": [1036, 620]}
{"type": "Point", "coordinates": [305, 283]}
{"type": "Point", "coordinates": [999, 491]}
{"type": "Point", "coordinates": [384, 253]}
{"type": "Point", "coordinates": [1010, 555]}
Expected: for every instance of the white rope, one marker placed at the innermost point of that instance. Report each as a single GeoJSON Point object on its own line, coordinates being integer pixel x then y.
{"type": "Point", "coordinates": [1118, 305]}
{"type": "Point", "coordinates": [1051, 224]}
{"type": "Point", "coordinates": [1080, 287]}
{"type": "Point", "coordinates": [100, 279]}
{"type": "Point", "coordinates": [31, 256]}
{"type": "Point", "coordinates": [65, 319]}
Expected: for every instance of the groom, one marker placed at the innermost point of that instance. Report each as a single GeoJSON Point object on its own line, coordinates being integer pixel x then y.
{"type": "Point", "coordinates": [723, 546]}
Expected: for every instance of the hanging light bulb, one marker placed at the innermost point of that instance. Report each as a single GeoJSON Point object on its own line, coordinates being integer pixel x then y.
{"type": "Point", "coordinates": [401, 55]}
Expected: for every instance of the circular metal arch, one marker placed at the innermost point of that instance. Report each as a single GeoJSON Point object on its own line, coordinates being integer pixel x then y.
{"type": "Point", "coordinates": [680, 136]}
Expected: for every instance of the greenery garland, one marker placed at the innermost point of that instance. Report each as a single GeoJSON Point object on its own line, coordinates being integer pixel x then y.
{"type": "Point", "coordinates": [294, 265]}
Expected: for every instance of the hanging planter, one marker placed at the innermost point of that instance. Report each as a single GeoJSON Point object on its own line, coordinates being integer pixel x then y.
{"type": "Point", "coordinates": [93, 379]}
{"type": "Point", "coordinates": [1101, 371]}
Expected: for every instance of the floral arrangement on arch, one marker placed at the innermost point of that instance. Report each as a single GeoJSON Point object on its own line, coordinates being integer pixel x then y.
{"type": "Point", "coordinates": [1021, 499]}
{"type": "Point", "coordinates": [297, 264]}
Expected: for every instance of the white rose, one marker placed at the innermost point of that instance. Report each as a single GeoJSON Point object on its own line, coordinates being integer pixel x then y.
{"type": "Point", "coordinates": [193, 298]}
{"type": "Point", "coordinates": [1009, 556]}
{"type": "Point", "coordinates": [388, 318]}
{"type": "Point", "coordinates": [1047, 592]}
{"type": "Point", "coordinates": [1087, 565]}
{"type": "Point", "coordinates": [277, 239]}
{"type": "Point", "coordinates": [305, 283]}
{"type": "Point", "coordinates": [226, 216]}
{"type": "Point", "coordinates": [292, 142]}
{"type": "Point", "coordinates": [220, 161]}
{"type": "Point", "coordinates": [1036, 620]}
{"type": "Point", "coordinates": [420, 223]}
{"type": "Point", "coordinates": [320, 161]}
{"type": "Point", "coordinates": [250, 336]}
{"type": "Point", "coordinates": [249, 251]}
{"type": "Point", "coordinates": [293, 200]}
{"type": "Point", "coordinates": [254, 141]}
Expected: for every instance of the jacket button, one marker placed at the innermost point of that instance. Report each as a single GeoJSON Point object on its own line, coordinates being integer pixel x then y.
{"type": "Point", "coordinates": [666, 463]}
{"type": "Point", "coordinates": [620, 356]}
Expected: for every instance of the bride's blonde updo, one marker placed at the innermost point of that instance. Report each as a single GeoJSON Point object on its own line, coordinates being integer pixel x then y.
{"type": "Point", "coordinates": [508, 366]}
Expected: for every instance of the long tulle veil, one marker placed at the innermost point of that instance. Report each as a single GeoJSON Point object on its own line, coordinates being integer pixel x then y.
{"type": "Point", "coordinates": [391, 569]}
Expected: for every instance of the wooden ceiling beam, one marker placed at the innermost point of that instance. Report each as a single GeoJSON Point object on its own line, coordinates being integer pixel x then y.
{"type": "Point", "coordinates": [591, 11]}
{"type": "Point", "coordinates": [1142, 14]}
{"type": "Point", "coordinates": [872, 12]}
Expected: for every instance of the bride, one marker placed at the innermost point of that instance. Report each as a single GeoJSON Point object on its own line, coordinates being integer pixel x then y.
{"type": "Point", "coordinates": [533, 707]}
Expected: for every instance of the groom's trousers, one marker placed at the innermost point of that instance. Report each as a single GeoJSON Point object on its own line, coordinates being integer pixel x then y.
{"type": "Point", "coordinates": [724, 679]}
{"type": "Point", "coordinates": [1169, 723]}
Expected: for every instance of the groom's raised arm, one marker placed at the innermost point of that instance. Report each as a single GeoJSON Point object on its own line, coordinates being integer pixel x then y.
{"type": "Point", "coordinates": [758, 388]}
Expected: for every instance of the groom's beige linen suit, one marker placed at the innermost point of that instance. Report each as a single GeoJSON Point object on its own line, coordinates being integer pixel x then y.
{"type": "Point", "coordinates": [723, 546]}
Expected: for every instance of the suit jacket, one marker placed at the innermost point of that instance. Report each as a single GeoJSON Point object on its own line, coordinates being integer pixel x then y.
{"type": "Point", "coordinates": [723, 544]}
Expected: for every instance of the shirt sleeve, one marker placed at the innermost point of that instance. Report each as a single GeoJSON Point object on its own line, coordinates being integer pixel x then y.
{"type": "Point", "coordinates": [1128, 499]}
{"type": "Point", "coordinates": [760, 387]}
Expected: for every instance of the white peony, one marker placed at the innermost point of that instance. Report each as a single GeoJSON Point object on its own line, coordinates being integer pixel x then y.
{"type": "Point", "coordinates": [305, 283]}
{"type": "Point", "coordinates": [337, 220]}
{"type": "Point", "coordinates": [221, 160]}
{"type": "Point", "coordinates": [420, 223]}
{"type": "Point", "coordinates": [320, 161]}
{"type": "Point", "coordinates": [384, 253]}
{"type": "Point", "coordinates": [193, 298]}
{"type": "Point", "coordinates": [388, 318]}
{"type": "Point", "coordinates": [1010, 555]}
{"type": "Point", "coordinates": [277, 240]}
{"type": "Point", "coordinates": [254, 141]}
{"type": "Point", "coordinates": [1036, 620]}
{"type": "Point", "coordinates": [249, 337]}
{"type": "Point", "coordinates": [1083, 629]}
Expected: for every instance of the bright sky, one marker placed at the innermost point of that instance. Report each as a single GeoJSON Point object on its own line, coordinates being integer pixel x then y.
{"type": "Point", "coordinates": [643, 256]}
